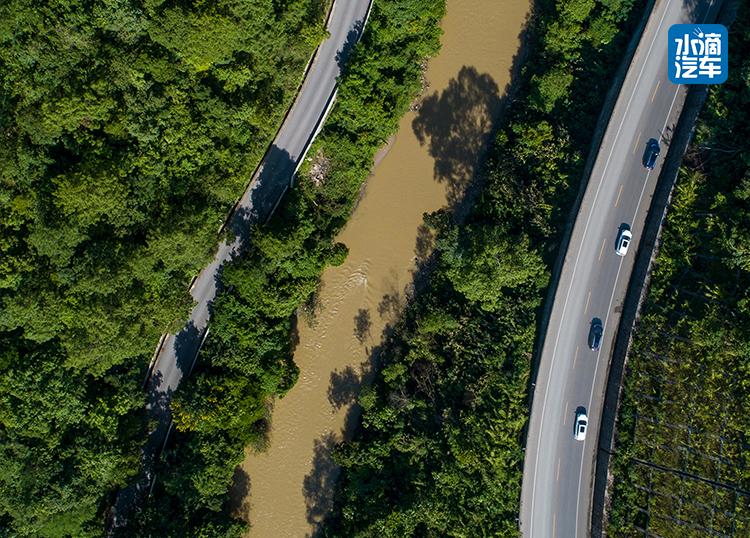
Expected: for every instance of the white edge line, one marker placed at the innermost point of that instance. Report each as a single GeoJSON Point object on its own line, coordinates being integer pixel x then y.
{"type": "Point", "coordinates": [567, 296]}
{"type": "Point", "coordinates": [609, 309]}
{"type": "Point", "coordinates": [611, 298]}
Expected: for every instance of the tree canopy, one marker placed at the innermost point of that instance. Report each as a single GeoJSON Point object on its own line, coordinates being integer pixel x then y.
{"type": "Point", "coordinates": [127, 131]}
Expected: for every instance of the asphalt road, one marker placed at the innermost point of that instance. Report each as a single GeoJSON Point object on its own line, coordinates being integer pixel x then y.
{"type": "Point", "coordinates": [558, 470]}
{"type": "Point", "coordinates": [177, 354]}
{"type": "Point", "coordinates": [271, 181]}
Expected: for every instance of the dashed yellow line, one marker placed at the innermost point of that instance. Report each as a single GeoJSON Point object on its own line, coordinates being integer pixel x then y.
{"type": "Point", "coordinates": [619, 193]}
{"type": "Point", "coordinates": [601, 251]}
{"type": "Point", "coordinates": [588, 299]}
{"type": "Point", "coordinates": [637, 142]}
{"type": "Point", "coordinates": [658, 83]}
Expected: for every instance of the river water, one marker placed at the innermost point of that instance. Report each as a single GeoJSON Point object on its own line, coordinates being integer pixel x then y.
{"type": "Point", "coordinates": [286, 491]}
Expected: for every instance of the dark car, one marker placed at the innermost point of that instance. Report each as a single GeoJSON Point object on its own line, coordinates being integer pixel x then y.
{"type": "Point", "coordinates": [595, 334]}
{"type": "Point", "coordinates": [652, 152]}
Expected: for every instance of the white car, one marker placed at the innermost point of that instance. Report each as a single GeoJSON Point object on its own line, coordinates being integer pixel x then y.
{"type": "Point", "coordinates": [582, 423]}
{"type": "Point", "coordinates": [623, 242]}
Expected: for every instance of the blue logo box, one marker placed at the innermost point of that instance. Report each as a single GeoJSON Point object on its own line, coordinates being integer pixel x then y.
{"type": "Point", "coordinates": [697, 54]}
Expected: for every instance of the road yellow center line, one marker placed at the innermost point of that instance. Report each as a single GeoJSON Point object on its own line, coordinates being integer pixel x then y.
{"type": "Point", "coordinates": [658, 83]}
{"type": "Point", "coordinates": [575, 358]}
{"type": "Point", "coordinates": [619, 193]}
{"type": "Point", "coordinates": [588, 299]}
{"type": "Point", "coordinates": [637, 142]}
{"type": "Point", "coordinates": [557, 475]}
{"type": "Point", "coordinates": [601, 251]}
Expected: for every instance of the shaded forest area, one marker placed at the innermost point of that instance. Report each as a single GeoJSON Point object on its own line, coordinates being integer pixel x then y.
{"type": "Point", "coordinates": [128, 129]}
{"type": "Point", "coordinates": [440, 448]}
{"type": "Point", "coordinates": [682, 464]}
{"type": "Point", "coordinates": [246, 361]}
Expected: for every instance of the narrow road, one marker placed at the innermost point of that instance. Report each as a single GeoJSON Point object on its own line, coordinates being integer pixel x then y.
{"type": "Point", "coordinates": [176, 356]}
{"type": "Point", "coordinates": [558, 470]}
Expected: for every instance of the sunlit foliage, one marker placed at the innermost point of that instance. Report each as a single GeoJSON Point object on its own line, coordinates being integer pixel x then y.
{"type": "Point", "coordinates": [127, 130]}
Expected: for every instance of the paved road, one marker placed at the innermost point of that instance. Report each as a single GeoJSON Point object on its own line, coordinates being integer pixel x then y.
{"type": "Point", "coordinates": [558, 471]}
{"type": "Point", "coordinates": [178, 353]}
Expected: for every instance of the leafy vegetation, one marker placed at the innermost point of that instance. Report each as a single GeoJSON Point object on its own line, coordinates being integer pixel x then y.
{"type": "Point", "coordinates": [128, 131]}
{"type": "Point", "coordinates": [246, 359]}
{"type": "Point", "coordinates": [681, 467]}
{"type": "Point", "coordinates": [439, 451]}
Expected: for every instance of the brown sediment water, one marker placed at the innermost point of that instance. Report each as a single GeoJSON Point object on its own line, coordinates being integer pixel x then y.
{"type": "Point", "coordinates": [426, 167]}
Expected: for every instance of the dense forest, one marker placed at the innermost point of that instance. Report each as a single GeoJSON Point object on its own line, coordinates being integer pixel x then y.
{"type": "Point", "coordinates": [129, 128]}
{"type": "Point", "coordinates": [681, 466]}
{"type": "Point", "coordinates": [439, 450]}
{"type": "Point", "coordinates": [246, 360]}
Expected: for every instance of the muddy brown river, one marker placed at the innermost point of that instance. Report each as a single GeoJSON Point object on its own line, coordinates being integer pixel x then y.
{"type": "Point", "coordinates": [287, 490]}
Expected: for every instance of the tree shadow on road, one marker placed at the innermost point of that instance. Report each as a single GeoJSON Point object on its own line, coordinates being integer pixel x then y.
{"type": "Point", "coordinates": [272, 180]}
{"type": "Point", "coordinates": [343, 54]}
{"type": "Point", "coordinates": [186, 344]}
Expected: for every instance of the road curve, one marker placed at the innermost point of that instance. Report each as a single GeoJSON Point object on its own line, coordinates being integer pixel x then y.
{"type": "Point", "coordinates": [176, 355]}
{"type": "Point", "coordinates": [558, 471]}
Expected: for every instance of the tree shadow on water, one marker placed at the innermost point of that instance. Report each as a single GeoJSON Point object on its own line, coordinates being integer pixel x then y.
{"type": "Point", "coordinates": [458, 123]}
{"type": "Point", "coordinates": [425, 243]}
{"type": "Point", "coordinates": [239, 494]}
{"type": "Point", "coordinates": [319, 486]}
{"type": "Point", "coordinates": [390, 304]}
{"type": "Point", "coordinates": [344, 387]}
{"type": "Point", "coordinates": [362, 325]}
